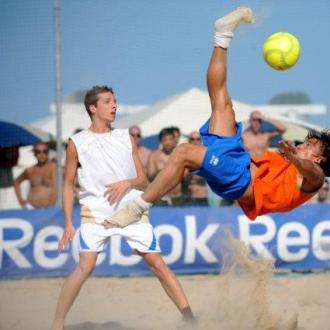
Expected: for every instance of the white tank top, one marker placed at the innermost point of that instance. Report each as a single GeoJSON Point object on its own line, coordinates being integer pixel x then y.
{"type": "Point", "coordinates": [103, 158]}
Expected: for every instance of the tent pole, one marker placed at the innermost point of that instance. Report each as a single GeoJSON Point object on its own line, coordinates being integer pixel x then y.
{"type": "Point", "coordinates": [58, 93]}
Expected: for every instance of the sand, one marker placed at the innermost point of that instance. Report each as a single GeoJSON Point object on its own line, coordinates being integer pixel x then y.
{"type": "Point", "coordinates": [246, 296]}
{"type": "Point", "coordinates": [140, 303]}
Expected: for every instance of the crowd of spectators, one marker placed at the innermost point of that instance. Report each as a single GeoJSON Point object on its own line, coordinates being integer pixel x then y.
{"type": "Point", "coordinates": [192, 191]}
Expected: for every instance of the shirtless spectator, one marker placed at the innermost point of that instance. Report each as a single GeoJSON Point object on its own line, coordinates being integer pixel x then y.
{"type": "Point", "coordinates": [177, 134]}
{"type": "Point", "coordinates": [156, 162]}
{"type": "Point", "coordinates": [144, 152]}
{"type": "Point", "coordinates": [195, 138]}
{"type": "Point", "coordinates": [42, 179]}
{"type": "Point", "coordinates": [322, 195]}
{"type": "Point", "coordinates": [255, 141]}
{"type": "Point", "coordinates": [198, 192]}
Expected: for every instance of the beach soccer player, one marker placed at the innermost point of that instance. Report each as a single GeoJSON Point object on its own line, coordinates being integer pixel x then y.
{"type": "Point", "coordinates": [110, 174]}
{"type": "Point", "coordinates": [274, 182]}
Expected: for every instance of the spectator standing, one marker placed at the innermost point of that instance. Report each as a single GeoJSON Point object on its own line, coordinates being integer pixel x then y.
{"type": "Point", "coordinates": [158, 159]}
{"type": "Point", "coordinates": [255, 141]}
{"type": "Point", "coordinates": [144, 153]}
{"type": "Point", "coordinates": [322, 195]}
{"type": "Point", "coordinates": [177, 134]}
{"type": "Point", "coordinates": [198, 192]}
{"type": "Point", "coordinates": [42, 179]}
{"type": "Point", "coordinates": [195, 138]}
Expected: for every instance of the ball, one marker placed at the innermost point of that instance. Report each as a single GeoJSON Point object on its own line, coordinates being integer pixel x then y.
{"type": "Point", "coordinates": [281, 50]}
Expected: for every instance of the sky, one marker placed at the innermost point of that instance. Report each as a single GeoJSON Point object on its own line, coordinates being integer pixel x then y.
{"type": "Point", "coordinates": [148, 50]}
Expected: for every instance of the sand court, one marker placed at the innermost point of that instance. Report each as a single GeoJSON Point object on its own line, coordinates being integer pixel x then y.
{"type": "Point", "coordinates": [219, 301]}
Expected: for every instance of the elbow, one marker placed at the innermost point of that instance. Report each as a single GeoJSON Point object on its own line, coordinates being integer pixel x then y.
{"type": "Point", "coordinates": [144, 182]}
{"type": "Point", "coordinates": [68, 187]}
{"type": "Point", "coordinates": [16, 185]}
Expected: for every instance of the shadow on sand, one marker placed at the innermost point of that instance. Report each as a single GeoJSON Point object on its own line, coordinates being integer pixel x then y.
{"type": "Point", "coordinates": [97, 326]}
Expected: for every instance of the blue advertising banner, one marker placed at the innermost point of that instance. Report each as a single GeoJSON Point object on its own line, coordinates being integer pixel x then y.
{"type": "Point", "coordinates": [191, 239]}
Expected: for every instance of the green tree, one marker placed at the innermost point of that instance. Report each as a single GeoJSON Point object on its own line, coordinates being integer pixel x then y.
{"type": "Point", "coordinates": [290, 98]}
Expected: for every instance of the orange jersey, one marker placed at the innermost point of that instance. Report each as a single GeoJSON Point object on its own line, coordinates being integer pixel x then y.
{"type": "Point", "coordinates": [275, 186]}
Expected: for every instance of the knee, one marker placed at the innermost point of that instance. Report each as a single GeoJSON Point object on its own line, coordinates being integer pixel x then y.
{"type": "Point", "coordinates": [188, 155]}
{"type": "Point", "coordinates": [159, 268]}
{"type": "Point", "coordinates": [181, 153]}
{"type": "Point", "coordinates": [85, 269]}
{"type": "Point", "coordinates": [222, 103]}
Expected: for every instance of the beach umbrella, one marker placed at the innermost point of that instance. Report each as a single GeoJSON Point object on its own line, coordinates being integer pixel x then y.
{"type": "Point", "coordinates": [21, 135]}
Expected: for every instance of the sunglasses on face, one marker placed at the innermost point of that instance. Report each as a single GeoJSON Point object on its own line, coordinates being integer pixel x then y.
{"type": "Point", "coordinates": [41, 151]}
{"type": "Point", "coordinates": [194, 139]}
{"type": "Point", "coordinates": [135, 135]}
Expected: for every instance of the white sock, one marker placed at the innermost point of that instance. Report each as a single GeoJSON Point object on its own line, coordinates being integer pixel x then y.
{"type": "Point", "coordinates": [223, 39]}
{"type": "Point", "coordinates": [142, 203]}
{"type": "Point", "coordinates": [225, 26]}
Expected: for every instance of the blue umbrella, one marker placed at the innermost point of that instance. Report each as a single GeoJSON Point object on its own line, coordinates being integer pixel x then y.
{"type": "Point", "coordinates": [16, 135]}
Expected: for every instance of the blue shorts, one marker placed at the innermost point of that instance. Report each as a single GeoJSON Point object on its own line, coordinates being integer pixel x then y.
{"type": "Point", "coordinates": [226, 165]}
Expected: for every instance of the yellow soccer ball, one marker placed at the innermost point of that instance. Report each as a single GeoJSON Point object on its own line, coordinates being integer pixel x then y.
{"type": "Point", "coordinates": [281, 50]}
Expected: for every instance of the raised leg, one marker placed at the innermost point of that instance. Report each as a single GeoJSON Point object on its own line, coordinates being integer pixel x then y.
{"type": "Point", "coordinates": [185, 156]}
{"type": "Point", "coordinates": [222, 121]}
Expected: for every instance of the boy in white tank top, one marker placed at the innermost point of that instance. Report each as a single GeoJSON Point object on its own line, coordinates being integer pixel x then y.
{"type": "Point", "coordinates": [110, 175]}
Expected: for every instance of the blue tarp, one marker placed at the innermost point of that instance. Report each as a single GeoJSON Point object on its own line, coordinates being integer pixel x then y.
{"type": "Point", "coordinates": [15, 135]}
{"type": "Point", "coordinates": [192, 239]}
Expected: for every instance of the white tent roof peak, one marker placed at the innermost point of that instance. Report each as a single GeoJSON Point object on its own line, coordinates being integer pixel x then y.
{"type": "Point", "coordinates": [187, 110]}
{"type": "Point", "coordinates": [74, 116]}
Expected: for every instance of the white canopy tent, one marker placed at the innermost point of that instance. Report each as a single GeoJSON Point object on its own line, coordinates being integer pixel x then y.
{"type": "Point", "coordinates": [192, 108]}
{"type": "Point", "coordinates": [75, 116]}
{"type": "Point", "coordinates": [188, 110]}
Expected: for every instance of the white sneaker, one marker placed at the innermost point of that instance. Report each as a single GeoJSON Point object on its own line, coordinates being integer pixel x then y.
{"type": "Point", "coordinates": [130, 213]}
{"type": "Point", "coordinates": [230, 22]}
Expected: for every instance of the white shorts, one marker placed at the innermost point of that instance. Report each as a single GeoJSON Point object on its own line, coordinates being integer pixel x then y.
{"type": "Point", "coordinates": [140, 237]}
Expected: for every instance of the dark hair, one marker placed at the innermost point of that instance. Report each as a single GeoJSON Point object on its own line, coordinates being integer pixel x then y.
{"type": "Point", "coordinates": [91, 96]}
{"type": "Point", "coordinates": [164, 132]}
{"type": "Point", "coordinates": [197, 180]}
{"type": "Point", "coordinates": [175, 129]}
{"type": "Point", "coordinates": [45, 144]}
{"type": "Point", "coordinates": [324, 137]}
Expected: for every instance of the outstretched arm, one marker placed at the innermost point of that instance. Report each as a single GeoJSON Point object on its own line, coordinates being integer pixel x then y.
{"type": "Point", "coordinates": [276, 123]}
{"type": "Point", "coordinates": [280, 128]}
{"type": "Point", "coordinates": [313, 176]}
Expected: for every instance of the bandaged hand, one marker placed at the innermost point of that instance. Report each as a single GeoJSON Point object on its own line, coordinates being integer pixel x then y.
{"type": "Point", "coordinates": [129, 214]}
